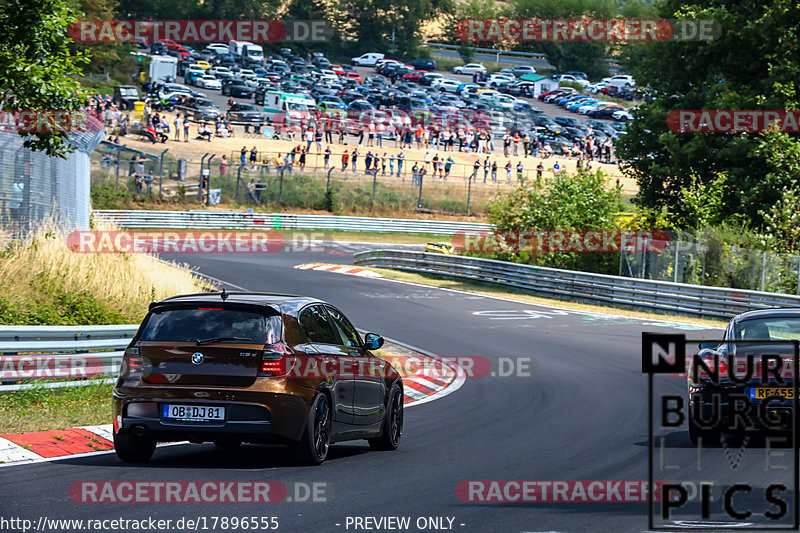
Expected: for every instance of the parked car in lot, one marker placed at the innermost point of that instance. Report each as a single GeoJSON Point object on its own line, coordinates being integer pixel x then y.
{"type": "Point", "coordinates": [237, 87]}
{"type": "Point", "coordinates": [239, 112]}
{"type": "Point", "coordinates": [239, 367]}
{"type": "Point", "coordinates": [519, 70]}
{"type": "Point", "coordinates": [367, 60]}
{"type": "Point", "coordinates": [469, 68]}
{"type": "Point", "coordinates": [202, 109]}
{"type": "Point", "coordinates": [423, 64]}
{"type": "Point", "coordinates": [622, 115]}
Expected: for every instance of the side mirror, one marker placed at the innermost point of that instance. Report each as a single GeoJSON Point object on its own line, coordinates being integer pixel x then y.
{"type": "Point", "coordinates": [708, 345]}
{"type": "Point", "coordinates": [372, 341]}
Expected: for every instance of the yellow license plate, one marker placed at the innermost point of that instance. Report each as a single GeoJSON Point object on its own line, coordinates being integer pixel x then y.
{"type": "Point", "coordinates": [761, 393]}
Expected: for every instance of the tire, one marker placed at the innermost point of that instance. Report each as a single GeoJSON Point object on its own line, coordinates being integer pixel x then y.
{"type": "Point", "coordinates": [133, 449]}
{"type": "Point", "coordinates": [315, 442]}
{"type": "Point", "coordinates": [392, 424]}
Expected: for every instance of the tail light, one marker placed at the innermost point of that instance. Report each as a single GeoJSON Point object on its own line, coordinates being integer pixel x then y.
{"type": "Point", "coordinates": [714, 363]}
{"type": "Point", "coordinates": [273, 360]}
{"type": "Point", "coordinates": [131, 363]}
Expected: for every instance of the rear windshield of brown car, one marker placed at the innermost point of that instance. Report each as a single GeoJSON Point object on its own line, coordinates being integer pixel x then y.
{"type": "Point", "coordinates": [210, 322]}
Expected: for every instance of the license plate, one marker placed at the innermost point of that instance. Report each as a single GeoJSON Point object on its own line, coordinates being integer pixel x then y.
{"type": "Point", "coordinates": [761, 393]}
{"type": "Point", "coordinates": [197, 413]}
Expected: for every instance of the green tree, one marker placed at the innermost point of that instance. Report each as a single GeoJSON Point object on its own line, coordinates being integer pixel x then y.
{"type": "Point", "coordinates": [37, 68]}
{"type": "Point", "coordinates": [373, 22]}
{"type": "Point", "coordinates": [584, 56]}
{"type": "Point", "coordinates": [754, 64]}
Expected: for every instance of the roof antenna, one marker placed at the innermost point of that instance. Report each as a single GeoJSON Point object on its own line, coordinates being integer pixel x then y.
{"type": "Point", "coordinates": [224, 294]}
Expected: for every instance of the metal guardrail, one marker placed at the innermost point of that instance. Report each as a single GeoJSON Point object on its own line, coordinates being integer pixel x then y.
{"type": "Point", "coordinates": [278, 221]}
{"type": "Point", "coordinates": [489, 50]}
{"type": "Point", "coordinates": [642, 294]}
{"type": "Point", "coordinates": [61, 353]}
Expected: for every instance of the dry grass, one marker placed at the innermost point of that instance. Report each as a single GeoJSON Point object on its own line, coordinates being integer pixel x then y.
{"type": "Point", "coordinates": [42, 281]}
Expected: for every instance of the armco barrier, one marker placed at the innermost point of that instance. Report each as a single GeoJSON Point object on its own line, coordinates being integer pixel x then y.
{"type": "Point", "coordinates": [103, 346]}
{"type": "Point", "coordinates": [278, 221]}
{"type": "Point", "coordinates": [642, 294]}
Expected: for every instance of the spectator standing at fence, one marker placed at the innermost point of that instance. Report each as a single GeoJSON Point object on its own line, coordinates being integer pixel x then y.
{"type": "Point", "coordinates": [520, 173]}
{"type": "Point", "coordinates": [539, 170]}
{"type": "Point", "coordinates": [178, 126]}
{"type": "Point", "coordinates": [318, 140]}
{"type": "Point", "coordinates": [368, 162]}
{"type": "Point", "coordinates": [383, 164]}
{"type": "Point", "coordinates": [435, 164]}
{"type": "Point", "coordinates": [223, 164]}
{"type": "Point", "coordinates": [253, 158]}
{"type": "Point", "coordinates": [345, 159]}
{"type": "Point", "coordinates": [327, 159]}
{"type": "Point", "coordinates": [494, 172]}
{"type": "Point", "coordinates": [447, 166]}
{"type": "Point", "coordinates": [371, 132]}
{"type": "Point", "coordinates": [185, 129]}
{"type": "Point", "coordinates": [475, 168]}
{"type": "Point", "coordinates": [391, 165]}
{"type": "Point", "coordinates": [243, 156]}
{"type": "Point", "coordinates": [556, 168]}
{"type": "Point", "coordinates": [251, 191]}
{"type": "Point", "coordinates": [506, 144]}
{"type": "Point", "coordinates": [264, 166]}
{"type": "Point", "coordinates": [288, 161]}
{"type": "Point", "coordinates": [415, 173]}
{"type": "Point", "coordinates": [486, 168]}
{"type": "Point", "coordinates": [526, 144]}
{"type": "Point", "coordinates": [400, 159]}
{"type": "Point", "coordinates": [441, 170]}
{"type": "Point", "coordinates": [137, 182]}
{"type": "Point", "coordinates": [328, 129]}
{"type": "Point", "coordinates": [509, 168]}
{"type": "Point", "coordinates": [354, 163]}
{"type": "Point", "coordinates": [302, 159]}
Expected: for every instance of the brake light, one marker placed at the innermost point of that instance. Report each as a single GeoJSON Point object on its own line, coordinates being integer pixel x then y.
{"type": "Point", "coordinates": [131, 363]}
{"type": "Point", "coordinates": [273, 360]}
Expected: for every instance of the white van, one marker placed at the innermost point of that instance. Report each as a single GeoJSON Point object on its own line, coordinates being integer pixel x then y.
{"type": "Point", "coordinates": [367, 60]}
{"type": "Point", "coordinates": [289, 103]}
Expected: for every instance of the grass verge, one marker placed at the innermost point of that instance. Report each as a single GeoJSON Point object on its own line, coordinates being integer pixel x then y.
{"type": "Point", "coordinates": [43, 282]}
{"type": "Point", "coordinates": [41, 409]}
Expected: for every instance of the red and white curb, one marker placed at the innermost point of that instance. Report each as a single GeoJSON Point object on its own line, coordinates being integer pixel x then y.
{"type": "Point", "coordinates": [427, 382]}
{"type": "Point", "coordinates": [339, 269]}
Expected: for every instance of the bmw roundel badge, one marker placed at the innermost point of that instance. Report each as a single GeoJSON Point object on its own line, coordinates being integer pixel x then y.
{"type": "Point", "coordinates": [197, 358]}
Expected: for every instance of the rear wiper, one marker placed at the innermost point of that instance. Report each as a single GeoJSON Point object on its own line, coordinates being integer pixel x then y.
{"type": "Point", "coordinates": [221, 339]}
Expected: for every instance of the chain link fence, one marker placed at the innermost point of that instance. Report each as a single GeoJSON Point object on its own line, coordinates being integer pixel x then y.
{"type": "Point", "coordinates": [35, 187]}
{"type": "Point", "coordinates": [715, 265]}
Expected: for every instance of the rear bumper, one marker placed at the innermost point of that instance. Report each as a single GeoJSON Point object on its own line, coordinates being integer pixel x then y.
{"type": "Point", "coordinates": [250, 416]}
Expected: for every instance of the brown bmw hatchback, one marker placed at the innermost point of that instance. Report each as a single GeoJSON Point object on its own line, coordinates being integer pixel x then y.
{"type": "Point", "coordinates": [250, 367]}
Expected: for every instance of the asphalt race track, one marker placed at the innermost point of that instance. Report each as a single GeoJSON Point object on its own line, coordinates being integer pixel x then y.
{"type": "Point", "coordinates": [581, 414]}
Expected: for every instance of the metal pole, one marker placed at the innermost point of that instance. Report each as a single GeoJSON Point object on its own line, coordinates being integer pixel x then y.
{"type": "Point", "coordinates": [469, 192]}
{"type": "Point", "coordinates": [419, 200]}
{"type": "Point", "coordinates": [200, 179]}
{"type": "Point", "coordinates": [161, 172]}
{"type": "Point", "coordinates": [328, 183]}
{"type": "Point", "coordinates": [763, 269]}
{"type": "Point", "coordinates": [798, 274]}
{"type": "Point", "coordinates": [208, 181]}
{"type": "Point", "coordinates": [238, 177]}
{"type": "Point", "coordinates": [119, 151]}
{"type": "Point", "coordinates": [280, 186]}
{"type": "Point", "coordinates": [374, 185]}
{"type": "Point", "coordinates": [675, 266]}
